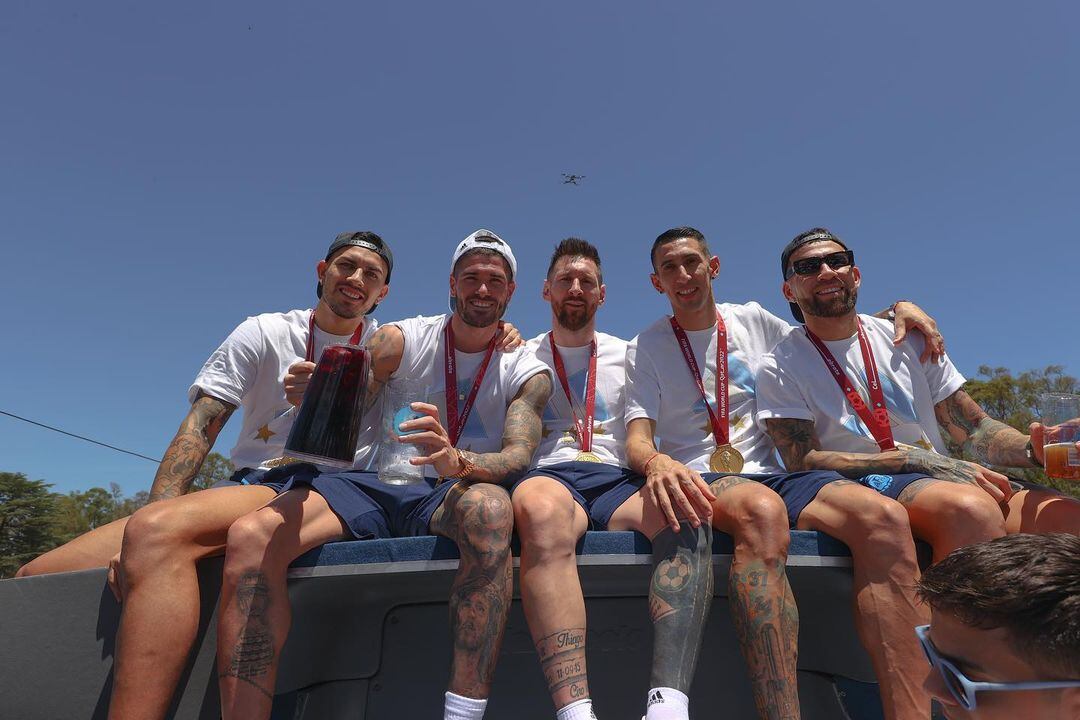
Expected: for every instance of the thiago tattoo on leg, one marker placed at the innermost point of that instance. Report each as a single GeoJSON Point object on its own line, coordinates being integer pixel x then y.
{"type": "Point", "coordinates": [562, 658]}
{"type": "Point", "coordinates": [253, 653]}
{"type": "Point", "coordinates": [680, 595]}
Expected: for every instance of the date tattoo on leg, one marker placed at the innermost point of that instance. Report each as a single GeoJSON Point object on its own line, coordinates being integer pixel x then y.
{"type": "Point", "coordinates": [253, 654]}
{"type": "Point", "coordinates": [680, 595]}
{"type": "Point", "coordinates": [562, 658]}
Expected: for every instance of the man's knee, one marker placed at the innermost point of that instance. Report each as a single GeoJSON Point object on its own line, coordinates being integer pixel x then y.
{"type": "Point", "coordinates": [483, 519]}
{"type": "Point", "coordinates": [153, 533]}
{"type": "Point", "coordinates": [759, 522]}
{"type": "Point", "coordinates": [971, 511]}
{"type": "Point", "coordinates": [249, 539]}
{"type": "Point", "coordinates": [544, 519]}
{"type": "Point", "coordinates": [880, 526]}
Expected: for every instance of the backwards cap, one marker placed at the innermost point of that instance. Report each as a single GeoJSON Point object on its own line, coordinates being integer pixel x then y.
{"type": "Point", "coordinates": [483, 240]}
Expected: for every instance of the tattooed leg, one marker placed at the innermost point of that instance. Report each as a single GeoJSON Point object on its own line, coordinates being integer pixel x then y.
{"type": "Point", "coordinates": [762, 606]}
{"type": "Point", "coordinates": [877, 531]}
{"type": "Point", "coordinates": [160, 612]}
{"type": "Point", "coordinates": [549, 523]}
{"type": "Point", "coordinates": [254, 617]}
{"type": "Point", "coordinates": [680, 595]}
{"type": "Point", "coordinates": [950, 516]}
{"type": "Point", "coordinates": [479, 519]}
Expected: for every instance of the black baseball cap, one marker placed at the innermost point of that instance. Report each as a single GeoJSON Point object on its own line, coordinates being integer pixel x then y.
{"type": "Point", "coordinates": [804, 238]}
{"type": "Point", "coordinates": [367, 240]}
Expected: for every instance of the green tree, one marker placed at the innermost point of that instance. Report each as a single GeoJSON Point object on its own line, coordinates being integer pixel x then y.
{"type": "Point", "coordinates": [1015, 400]}
{"type": "Point", "coordinates": [214, 468]}
{"type": "Point", "coordinates": [26, 509]}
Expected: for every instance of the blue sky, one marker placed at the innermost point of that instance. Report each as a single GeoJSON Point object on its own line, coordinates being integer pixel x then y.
{"type": "Point", "coordinates": [167, 170]}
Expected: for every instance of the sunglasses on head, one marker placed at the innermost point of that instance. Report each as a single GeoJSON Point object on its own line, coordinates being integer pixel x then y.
{"type": "Point", "coordinates": [961, 688]}
{"type": "Point", "coordinates": [812, 265]}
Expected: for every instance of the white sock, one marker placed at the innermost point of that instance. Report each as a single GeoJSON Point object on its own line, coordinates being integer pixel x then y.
{"type": "Point", "coordinates": [579, 710]}
{"type": "Point", "coordinates": [667, 704]}
{"type": "Point", "coordinates": [457, 707]}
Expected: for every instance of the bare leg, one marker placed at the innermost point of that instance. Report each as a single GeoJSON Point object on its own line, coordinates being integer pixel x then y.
{"type": "Point", "coordinates": [90, 550]}
{"type": "Point", "coordinates": [950, 516]}
{"type": "Point", "coordinates": [549, 523]}
{"type": "Point", "coordinates": [255, 616]}
{"type": "Point", "coordinates": [877, 531]}
{"type": "Point", "coordinates": [479, 518]}
{"type": "Point", "coordinates": [1042, 511]}
{"type": "Point", "coordinates": [762, 606]}
{"type": "Point", "coordinates": [162, 542]}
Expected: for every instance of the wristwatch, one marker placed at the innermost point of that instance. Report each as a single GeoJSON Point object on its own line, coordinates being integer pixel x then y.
{"type": "Point", "coordinates": [890, 314]}
{"type": "Point", "coordinates": [466, 469]}
{"type": "Point", "coordinates": [1029, 450]}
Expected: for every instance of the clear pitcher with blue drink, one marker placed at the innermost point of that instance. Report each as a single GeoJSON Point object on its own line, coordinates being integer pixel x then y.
{"type": "Point", "coordinates": [394, 456]}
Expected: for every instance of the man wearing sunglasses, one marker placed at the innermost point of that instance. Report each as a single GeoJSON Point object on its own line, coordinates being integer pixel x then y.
{"type": "Point", "coordinates": [842, 395]}
{"type": "Point", "coordinates": [1004, 633]}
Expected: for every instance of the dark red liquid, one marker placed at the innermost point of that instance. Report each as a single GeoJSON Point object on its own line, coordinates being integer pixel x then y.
{"type": "Point", "coordinates": [328, 422]}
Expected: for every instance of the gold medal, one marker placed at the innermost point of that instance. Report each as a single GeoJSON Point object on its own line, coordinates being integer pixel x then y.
{"type": "Point", "coordinates": [726, 459]}
{"type": "Point", "coordinates": [278, 462]}
{"type": "Point", "coordinates": [587, 457]}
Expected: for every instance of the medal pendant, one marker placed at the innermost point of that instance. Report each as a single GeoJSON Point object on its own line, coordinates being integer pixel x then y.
{"type": "Point", "coordinates": [587, 457]}
{"type": "Point", "coordinates": [726, 459]}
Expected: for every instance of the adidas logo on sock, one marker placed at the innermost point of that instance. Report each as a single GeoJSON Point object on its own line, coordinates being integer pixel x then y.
{"type": "Point", "coordinates": [655, 698]}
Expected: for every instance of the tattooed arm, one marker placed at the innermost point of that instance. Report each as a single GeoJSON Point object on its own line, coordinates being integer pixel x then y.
{"type": "Point", "coordinates": [189, 448]}
{"type": "Point", "coordinates": [798, 445]}
{"type": "Point", "coordinates": [990, 441]}
{"type": "Point", "coordinates": [521, 436]}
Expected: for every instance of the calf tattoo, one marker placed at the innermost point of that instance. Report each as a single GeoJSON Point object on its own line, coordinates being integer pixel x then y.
{"type": "Point", "coordinates": [680, 595]}
{"type": "Point", "coordinates": [562, 657]}
{"type": "Point", "coordinates": [253, 654]}
{"type": "Point", "coordinates": [767, 623]}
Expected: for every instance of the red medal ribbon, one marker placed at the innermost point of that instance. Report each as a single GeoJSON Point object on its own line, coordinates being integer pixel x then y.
{"type": "Point", "coordinates": [456, 422]}
{"type": "Point", "coordinates": [309, 353]}
{"type": "Point", "coordinates": [585, 430]}
{"type": "Point", "coordinates": [719, 419]}
{"type": "Point", "coordinates": [876, 420]}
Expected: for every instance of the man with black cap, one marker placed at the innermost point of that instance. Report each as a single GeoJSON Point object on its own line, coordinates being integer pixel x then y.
{"type": "Point", "coordinates": [841, 395]}
{"type": "Point", "coordinates": [246, 371]}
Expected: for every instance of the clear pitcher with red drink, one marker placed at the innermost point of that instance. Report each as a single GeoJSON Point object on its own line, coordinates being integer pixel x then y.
{"type": "Point", "coordinates": [329, 420]}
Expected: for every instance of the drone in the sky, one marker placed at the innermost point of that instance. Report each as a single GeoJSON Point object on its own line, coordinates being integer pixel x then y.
{"type": "Point", "coordinates": [569, 179]}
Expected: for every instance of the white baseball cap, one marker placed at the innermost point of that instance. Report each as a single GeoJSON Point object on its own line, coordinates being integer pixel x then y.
{"type": "Point", "coordinates": [483, 240]}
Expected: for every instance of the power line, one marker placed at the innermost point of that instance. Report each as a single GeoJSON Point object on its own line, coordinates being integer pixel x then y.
{"type": "Point", "coordinates": [81, 437]}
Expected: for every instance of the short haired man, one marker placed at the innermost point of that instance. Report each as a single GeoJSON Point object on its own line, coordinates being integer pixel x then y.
{"type": "Point", "coordinates": [245, 372]}
{"type": "Point", "coordinates": [691, 409]}
{"type": "Point", "coordinates": [1004, 635]}
{"type": "Point", "coordinates": [311, 508]}
{"type": "Point", "coordinates": [580, 480]}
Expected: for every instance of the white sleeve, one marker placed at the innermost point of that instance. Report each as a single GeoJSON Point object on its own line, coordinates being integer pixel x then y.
{"type": "Point", "coordinates": [942, 377]}
{"type": "Point", "coordinates": [779, 394]}
{"type": "Point", "coordinates": [642, 384]}
{"type": "Point", "coordinates": [413, 339]}
{"type": "Point", "coordinates": [524, 365]}
{"type": "Point", "coordinates": [774, 330]}
{"type": "Point", "coordinates": [231, 370]}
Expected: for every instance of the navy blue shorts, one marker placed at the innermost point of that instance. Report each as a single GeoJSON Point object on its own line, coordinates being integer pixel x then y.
{"type": "Point", "coordinates": [799, 489]}
{"type": "Point", "coordinates": [598, 488]}
{"type": "Point", "coordinates": [368, 506]}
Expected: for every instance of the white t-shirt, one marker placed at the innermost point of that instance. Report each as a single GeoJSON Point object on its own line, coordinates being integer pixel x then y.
{"type": "Point", "coordinates": [422, 368]}
{"type": "Point", "coordinates": [795, 383]}
{"type": "Point", "coordinates": [560, 442]}
{"type": "Point", "coordinates": [248, 370]}
{"type": "Point", "coordinates": [660, 386]}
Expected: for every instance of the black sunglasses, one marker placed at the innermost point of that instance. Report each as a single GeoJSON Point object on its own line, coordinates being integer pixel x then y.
{"type": "Point", "coordinates": [812, 265]}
